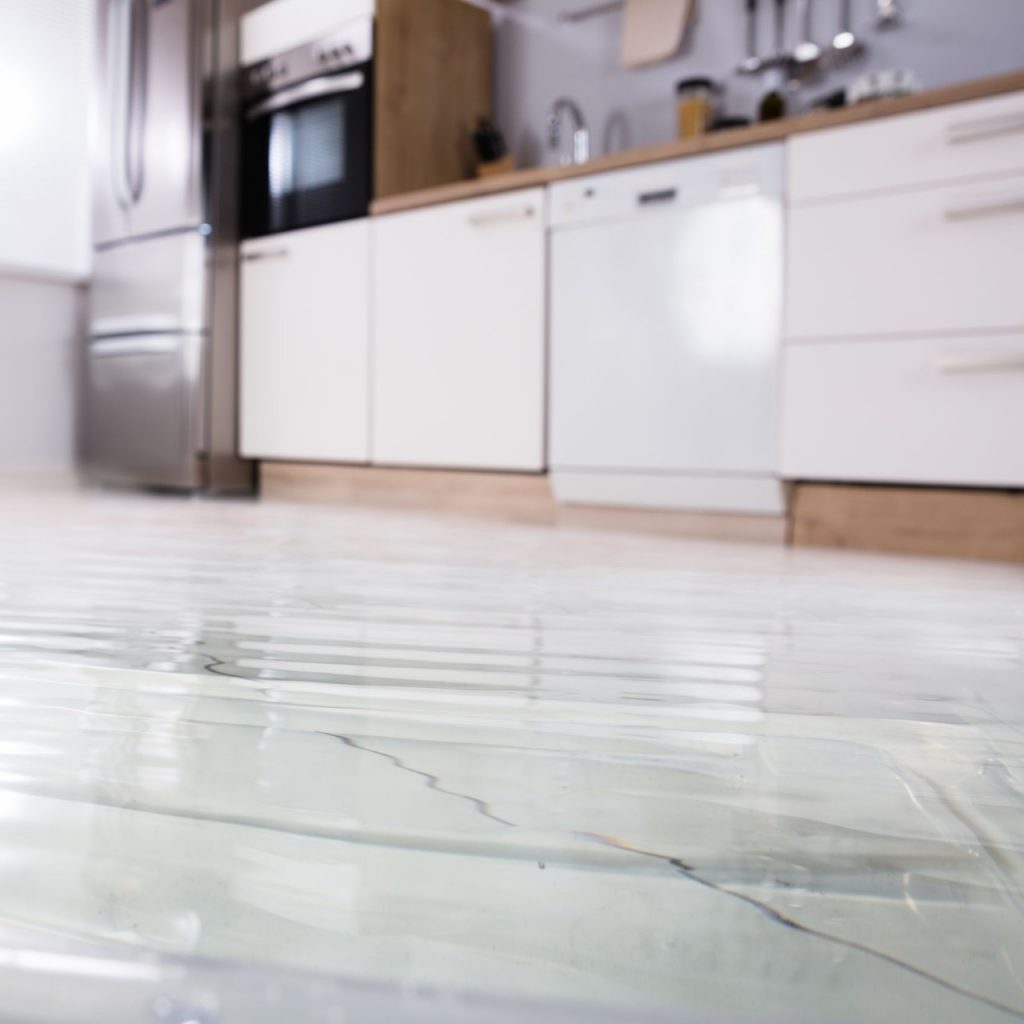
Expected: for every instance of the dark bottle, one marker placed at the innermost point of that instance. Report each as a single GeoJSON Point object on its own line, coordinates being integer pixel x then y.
{"type": "Point", "coordinates": [773, 106]}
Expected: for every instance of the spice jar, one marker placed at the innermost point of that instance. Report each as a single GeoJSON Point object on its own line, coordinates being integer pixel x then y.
{"type": "Point", "coordinates": [696, 106]}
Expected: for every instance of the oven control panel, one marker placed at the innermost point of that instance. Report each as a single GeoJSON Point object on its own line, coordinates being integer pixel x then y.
{"type": "Point", "coordinates": [351, 45]}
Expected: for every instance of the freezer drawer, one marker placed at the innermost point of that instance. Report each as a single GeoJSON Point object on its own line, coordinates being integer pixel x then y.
{"type": "Point", "coordinates": [943, 411]}
{"type": "Point", "coordinates": [158, 284]}
{"type": "Point", "coordinates": [143, 410]}
{"type": "Point", "coordinates": [940, 260]}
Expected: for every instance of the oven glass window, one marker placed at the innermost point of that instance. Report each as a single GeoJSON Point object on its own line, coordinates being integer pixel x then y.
{"type": "Point", "coordinates": [306, 157]}
{"type": "Point", "coordinates": [307, 164]}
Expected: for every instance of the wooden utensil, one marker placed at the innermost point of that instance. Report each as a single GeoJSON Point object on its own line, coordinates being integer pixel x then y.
{"type": "Point", "coordinates": [653, 30]}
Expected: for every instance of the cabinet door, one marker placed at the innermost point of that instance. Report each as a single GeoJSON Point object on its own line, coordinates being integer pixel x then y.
{"type": "Point", "coordinates": [458, 370]}
{"type": "Point", "coordinates": [305, 345]}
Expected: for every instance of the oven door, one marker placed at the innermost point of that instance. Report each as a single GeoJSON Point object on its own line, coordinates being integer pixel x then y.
{"type": "Point", "coordinates": [307, 154]}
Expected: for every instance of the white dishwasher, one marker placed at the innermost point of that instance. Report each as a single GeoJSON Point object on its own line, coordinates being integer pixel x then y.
{"type": "Point", "coordinates": [666, 323]}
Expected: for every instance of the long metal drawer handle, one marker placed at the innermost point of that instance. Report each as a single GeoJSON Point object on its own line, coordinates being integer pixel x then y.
{"type": "Point", "coordinates": [161, 345]}
{"type": "Point", "coordinates": [315, 88]}
{"type": "Point", "coordinates": [971, 131]}
{"type": "Point", "coordinates": [483, 220]}
{"type": "Point", "coordinates": [270, 254]}
{"type": "Point", "coordinates": [986, 207]}
{"type": "Point", "coordinates": [987, 363]}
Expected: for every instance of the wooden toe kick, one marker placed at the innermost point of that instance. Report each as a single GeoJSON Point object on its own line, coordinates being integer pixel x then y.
{"type": "Point", "coordinates": [911, 520]}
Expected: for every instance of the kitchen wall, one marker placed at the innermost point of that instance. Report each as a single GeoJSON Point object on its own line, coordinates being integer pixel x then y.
{"type": "Point", "coordinates": [40, 336]}
{"type": "Point", "coordinates": [538, 59]}
{"type": "Point", "coordinates": [45, 71]}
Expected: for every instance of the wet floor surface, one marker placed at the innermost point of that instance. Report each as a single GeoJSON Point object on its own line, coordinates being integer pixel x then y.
{"type": "Point", "coordinates": [727, 783]}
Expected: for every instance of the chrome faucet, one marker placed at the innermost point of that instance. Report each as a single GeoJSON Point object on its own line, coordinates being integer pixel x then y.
{"type": "Point", "coordinates": [580, 135]}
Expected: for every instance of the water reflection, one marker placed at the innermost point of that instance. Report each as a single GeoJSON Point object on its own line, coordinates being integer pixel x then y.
{"type": "Point", "coordinates": [231, 737]}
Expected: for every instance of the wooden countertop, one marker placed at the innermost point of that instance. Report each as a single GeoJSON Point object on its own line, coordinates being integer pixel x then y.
{"type": "Point", "coordinates": [728, 139]}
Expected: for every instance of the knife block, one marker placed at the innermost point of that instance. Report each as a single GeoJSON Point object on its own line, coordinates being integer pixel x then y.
{"type": "Point", "coordinates": [492, 168]}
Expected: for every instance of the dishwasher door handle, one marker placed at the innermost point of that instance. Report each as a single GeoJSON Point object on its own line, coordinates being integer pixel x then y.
{"type": "Point", "coordinates": [665, 195]}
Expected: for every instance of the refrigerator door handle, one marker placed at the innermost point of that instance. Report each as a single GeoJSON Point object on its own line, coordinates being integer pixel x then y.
{"type": "Point", "coordinates": [119, 33]}
{"type": "Point", "coordinates": [138, 77]}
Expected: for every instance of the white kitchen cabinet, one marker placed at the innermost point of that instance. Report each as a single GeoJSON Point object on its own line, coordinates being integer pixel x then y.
{"type": "Point", "coordinates": [913, 410]}
{"type": "Point", "coordinates": [940, 259]}
{"type": "Point", "coordinates": [666, 315]}
{"type": "Point", "coordinates": [459, 335]}
{"type": "Point", "coordinates": [905, 316]}
{"type": "Point", "coordinates": [305, 335]}
{"type": "Point", "coordinates": [962, 140]}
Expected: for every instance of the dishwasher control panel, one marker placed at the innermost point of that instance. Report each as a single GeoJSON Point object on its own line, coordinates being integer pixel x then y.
{"type": "Point", "coordinates": [683, 182]}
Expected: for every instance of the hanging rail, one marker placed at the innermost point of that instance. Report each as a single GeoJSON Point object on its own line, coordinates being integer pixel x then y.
{"type": "Point", "coordinates": [585, 13]}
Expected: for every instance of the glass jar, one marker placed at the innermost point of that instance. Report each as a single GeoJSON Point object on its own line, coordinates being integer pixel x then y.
{"type": "Point", "coordinates": [695, 98]}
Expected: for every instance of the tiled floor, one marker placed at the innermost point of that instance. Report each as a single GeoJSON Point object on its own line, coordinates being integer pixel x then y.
{"type": "Point", "coordinates": [726, 783]}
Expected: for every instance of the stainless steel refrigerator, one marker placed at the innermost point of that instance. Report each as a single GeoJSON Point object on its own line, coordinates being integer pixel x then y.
{"type": "Point", "coordinates": [160, 367]}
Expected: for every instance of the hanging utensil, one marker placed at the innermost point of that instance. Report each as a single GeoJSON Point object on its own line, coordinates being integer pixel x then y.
{"type": "Point", "coordinates": [890, 13]}
{"type": "Point", "coordinates": [845, 42]}
{"type": "Point", "coordinates": [751, 64]}
{"type": "Point", "coordinates": [780, 31]}
{"type": "Point", "coordinates": [807, 51]}
{"type": "Point", "coordinates": [652, 30]}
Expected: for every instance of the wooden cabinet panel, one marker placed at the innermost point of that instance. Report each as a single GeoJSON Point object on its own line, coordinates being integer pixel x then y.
{"type": "Point", "coordinates": [433, 81]}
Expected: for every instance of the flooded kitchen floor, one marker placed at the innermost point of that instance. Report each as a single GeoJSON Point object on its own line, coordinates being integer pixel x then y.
{"type": "Point", "coordinates": [722, 783]}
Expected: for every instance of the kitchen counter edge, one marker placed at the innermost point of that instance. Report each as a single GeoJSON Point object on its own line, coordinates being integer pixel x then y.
{"type": "Point", "coordinates": [713, 142]}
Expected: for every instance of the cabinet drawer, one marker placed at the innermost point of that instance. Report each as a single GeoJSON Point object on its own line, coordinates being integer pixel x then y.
{"type": "Point", "coordinates": [921, 411]}
{"type": "Point", "coordinates": [941, 260]}
{"type": "Point", "coordinates": [965, 140]}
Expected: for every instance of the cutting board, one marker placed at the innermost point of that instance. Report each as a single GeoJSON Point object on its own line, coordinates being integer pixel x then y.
{"type": "Point", "coordinates": [653, 30]}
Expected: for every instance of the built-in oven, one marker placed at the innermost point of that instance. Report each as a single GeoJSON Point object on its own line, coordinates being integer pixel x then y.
{"type": "Point", "coordinates": [307, 134]}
